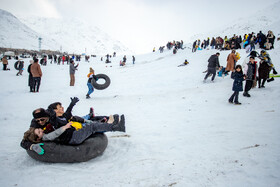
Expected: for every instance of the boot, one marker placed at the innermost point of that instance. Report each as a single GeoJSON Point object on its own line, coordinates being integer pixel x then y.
{"type": "Point", "coordinates": [246, 94]}
{"type": "Point", "coordinates": [237, 103]}
{"type": "Point", "coordinates": [87, 96]}
{"type": "Point", "coordinates": [119, 126]}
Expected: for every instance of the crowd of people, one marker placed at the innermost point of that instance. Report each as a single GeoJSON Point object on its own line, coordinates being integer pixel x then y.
{"type": "Point", "coordinates": [255, 71]}
{"type": "Point", "coordinates": [248, 42]}
{"type": "Point", "coordinates": [175, 45]}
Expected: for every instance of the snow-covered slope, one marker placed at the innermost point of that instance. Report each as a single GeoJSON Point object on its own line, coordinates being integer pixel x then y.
{"type": "Point", "coordinates": [15, 34]}
{"type": "Point", "coordinates": [72, 36]}
{"type": "Point", "coordinates": [75, 35]}
{"type": "Point", "coordinates": [180, 131]}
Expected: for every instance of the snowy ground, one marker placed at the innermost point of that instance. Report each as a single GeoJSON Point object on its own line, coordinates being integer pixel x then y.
{"type": "Point", "coordinates": [180, 131]}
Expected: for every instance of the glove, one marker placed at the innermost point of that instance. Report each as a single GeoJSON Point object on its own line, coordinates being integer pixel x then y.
{"type": "Point", "coordinates": [38, 149]}
{"type": "Point", "coordinates": [74, 100]}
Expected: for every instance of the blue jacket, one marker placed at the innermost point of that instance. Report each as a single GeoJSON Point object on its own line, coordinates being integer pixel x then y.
{"type": "Point", "coordinates": [238, 81]}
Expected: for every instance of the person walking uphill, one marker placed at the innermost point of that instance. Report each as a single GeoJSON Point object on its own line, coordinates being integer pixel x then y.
{"type": "Point", "coordinates": [90, 77]}
{"type": "Point", "coordinates": [238, 77]}
{"type": "Point", "coordinates": [72, 69]}
{"type": "Point", "coordinates": [231, 61]}
{"type": "Point", "coordinates": [212, 65]}
{"type": "Point", "coordinates": [36, 74]}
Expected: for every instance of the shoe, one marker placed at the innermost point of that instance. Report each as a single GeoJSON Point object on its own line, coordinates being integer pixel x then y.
{"type": "Point", "coordinates": [245, 94]}
{"type": "Point", "coordinates": [87, 96]}
{"type": "Point", "coordinates": [237, 103]}
{"type": "Point", "coordinates": [91, 112]}
{"type": "Point", "coordinates": [230, 101]}
{"type": "Point", "coordinates": [262, 86]}
{"type": "Point", "coordinates": [271, 79]}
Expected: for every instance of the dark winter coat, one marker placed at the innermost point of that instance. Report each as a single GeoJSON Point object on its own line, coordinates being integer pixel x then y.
{"type": "Point", "coordinates": [30, 78]}
{"type": "Point", "coordinates": [238, 81]}
{"type": "Point", "coordinates": [60, 121]}
{"type": "Point", "coordinates": [213, 61]}
{"type": "Point", "coordinates": [264, 70]}
{"type": "Point", "coordinates": [265, 66]}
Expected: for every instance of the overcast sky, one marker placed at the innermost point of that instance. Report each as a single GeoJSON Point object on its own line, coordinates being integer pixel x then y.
{"type": "Point", "coordinates": [142, 24]}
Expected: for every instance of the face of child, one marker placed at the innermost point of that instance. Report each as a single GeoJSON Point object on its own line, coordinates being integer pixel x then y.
{"type": "Point", "coordinates": [39, 132]}
{"type": "Point", "coordinates": [238, 69]}
{"type": "Point", "coordinates": [252, 60]}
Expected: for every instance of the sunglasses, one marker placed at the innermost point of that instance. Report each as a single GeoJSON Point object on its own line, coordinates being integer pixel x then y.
{"type": "Point", "coordinates": [38, 120]}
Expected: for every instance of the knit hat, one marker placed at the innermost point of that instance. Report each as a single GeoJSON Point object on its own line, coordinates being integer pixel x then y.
{"type": "Point", "coordinates": [91, 70]}
{"type": "Point", "coordinates": [40, 113]}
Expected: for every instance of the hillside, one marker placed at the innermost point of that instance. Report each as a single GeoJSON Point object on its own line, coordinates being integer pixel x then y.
{"type": "Point", "coordinates": [15, 34]}
{"type": "Point", "coordinates": [75, 35]}
{"type": "Point", "coordinates": [72, 36]}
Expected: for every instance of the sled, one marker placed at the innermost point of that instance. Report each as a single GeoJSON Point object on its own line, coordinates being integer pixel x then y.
{"type": "Point", "coordinates": [273, 75]}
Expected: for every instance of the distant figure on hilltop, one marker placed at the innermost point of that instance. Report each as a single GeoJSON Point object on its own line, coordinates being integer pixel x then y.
{"type": "Point", "coordinates": [133, 59]}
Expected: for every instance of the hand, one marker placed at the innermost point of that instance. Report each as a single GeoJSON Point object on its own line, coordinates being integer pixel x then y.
{"type": "Point", "coordinates": [67, 126]}
{"type": "Point", "coordinates": [74, 100]}
{"type": "Point", "coordinates": [38, 149]}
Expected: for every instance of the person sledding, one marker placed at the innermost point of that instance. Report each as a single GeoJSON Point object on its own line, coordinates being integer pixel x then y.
{"type": "Point", "coordinates": [184, 64]}
{"type": "Point", "coordinates": [55, 117]}
{"type": "Point", "coordinates": [68, 135]}
{"type": "Point", "coordinates": [122, 63]}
